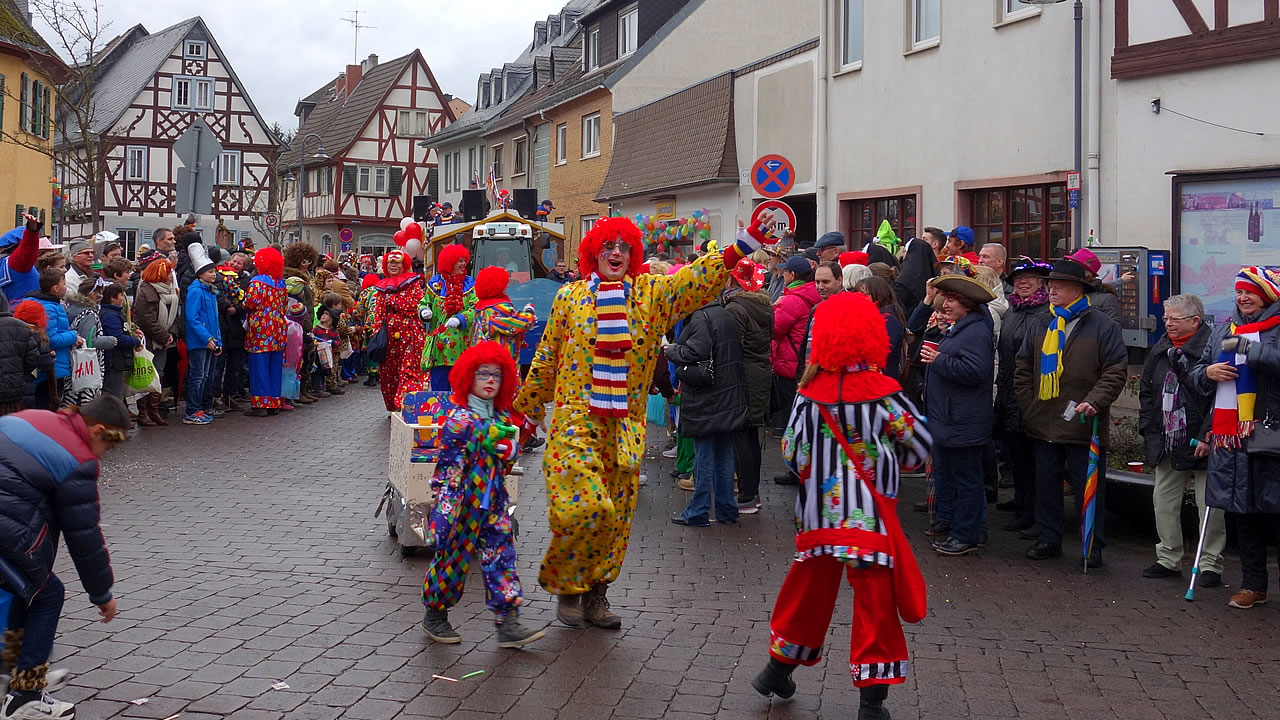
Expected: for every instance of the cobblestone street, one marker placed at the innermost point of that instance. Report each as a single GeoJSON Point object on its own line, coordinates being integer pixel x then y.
{"type": "Point", "coordinates": [247, 554]}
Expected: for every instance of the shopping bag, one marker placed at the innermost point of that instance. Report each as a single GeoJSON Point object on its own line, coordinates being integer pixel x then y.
{"type": "Point", "coordinates": [86, 371]}
{"type": "Point", "coordinates": [142, 377]}
{"type": "Point", "coordinates": [289, 385]}
{"type": "Point", "coordinates": [346, 350]}
{"type": "Point", "coordinates": [324, 352]}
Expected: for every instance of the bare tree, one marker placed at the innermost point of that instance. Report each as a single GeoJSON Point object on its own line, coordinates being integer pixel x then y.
{"type": "Point", "coordinates": [279, 191]}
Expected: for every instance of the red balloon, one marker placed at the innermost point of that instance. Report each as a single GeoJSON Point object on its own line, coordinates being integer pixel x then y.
{"type": "Point", "coordinates": [400, 238]}
{"type": "Point", "coordinates": [413, 232]}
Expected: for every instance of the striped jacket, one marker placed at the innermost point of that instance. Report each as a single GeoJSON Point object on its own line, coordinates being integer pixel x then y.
{"type": "Point", "coordinates": [49, 488]}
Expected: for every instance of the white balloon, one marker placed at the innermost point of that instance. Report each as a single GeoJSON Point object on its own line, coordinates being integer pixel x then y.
{"type": "Point", "coordinates": [405, 223]}
{"type": "Point", "coordinates": [414, 248]}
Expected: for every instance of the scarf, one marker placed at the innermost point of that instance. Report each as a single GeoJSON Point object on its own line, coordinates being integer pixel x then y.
{"type": "Point", "coordinates": [1173, 406]}
{"type": "Point", "coordinates": [613, 340]}
{"type": "Point", "coordinates": [1039, 297]}
{"type": "Point", "coordinates": [1055, 340]}
{"type": "Point", "coordinates": [168, 308]}
{"type": "Point", "coordinates": [1235, 401]}
{"type": "Point", "coordinates": [453, 292]}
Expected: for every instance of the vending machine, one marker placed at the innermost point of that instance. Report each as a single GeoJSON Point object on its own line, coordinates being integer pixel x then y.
{"type": "Point", "coordinates": [1141, 299]}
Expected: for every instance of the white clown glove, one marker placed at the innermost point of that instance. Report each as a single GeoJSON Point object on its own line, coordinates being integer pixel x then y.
{"type": "Point", "coordinates": [424, 314]}
{"type": "Point", "coordinates": [454, 322]}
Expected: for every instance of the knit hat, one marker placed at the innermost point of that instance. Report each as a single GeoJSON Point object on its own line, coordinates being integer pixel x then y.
{"type": "Point", "coordinates": [1085, 257]}
{"type": "Point", "coordinates": [1261, 282]}
{"type": "Point", "coordinates": [106, 409]}
{"type": "Point", "coordinates": [749, 275]}
{"type": "Point", "coordinates": [850, 348]}
{"type": "Point", "coordinates": [834, 238]}
{"type": "Point", "coordinates": [31, 313]}
{"type": "Point", "coordinates": [491, 287]}
{"type": "Point", "coordinates": [79, 246]}
{"type": "Point", "coordinates": [199, 258]}
{"type": "Point", "coordinates": [854, 257]}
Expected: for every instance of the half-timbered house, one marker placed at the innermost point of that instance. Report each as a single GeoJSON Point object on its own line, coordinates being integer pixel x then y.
{"type": "Point", "coordinates": [368, 121]}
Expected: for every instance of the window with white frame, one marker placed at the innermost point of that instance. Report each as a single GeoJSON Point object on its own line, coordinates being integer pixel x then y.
{"type": "Point", "coordinates": [135, 163]}
{"type": "Point", "coordinates": [850, 34]}
{"type": "Point", "coordinates": [562, 140]}
{"type": "Point", "coordinates": [204, 95]}
{"type": "Point", "coordinates": [129, 241]}
{"type": "Point", "coordinates": [380, 180]}
{"type": "Point", "coordinates": [194, 50]}
{"type": "Point", "coordinates": [228, 169]}
{"type": "Point", "coordinates": [457, 171]}
{"type": "Point", "coordinates": [471, 163]}
{"type": "Point", "coordinates": [628, 30]}
{"type": "Point", "coordinates": [181, 94]}
{"type": "Point", "coordinates": [926, 22]}
{"type": "Point", "coordinates": [591, 48]}
{"type": "Point", "coordinates": [364, 180]}
{"type": "Point", "coordinates": [497, 162]}
{"type": "Point", "coordinates": [445, 160]}
{"type": "Point", "coordinates": [190, 93]}
{"type": "Point", "coordinates": [591, 135]}
{"type": "Point", "coordinates": [1015, 9]}
{"type": "Point", "coordinates": [588, 222]}
{"type": "Point", "coordinates": [518, 154]}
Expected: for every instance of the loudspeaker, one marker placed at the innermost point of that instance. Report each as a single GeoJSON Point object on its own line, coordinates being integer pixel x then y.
{"type": "Point", "coordinates": [472, 205]}
{"type": "Point", "coordinates": [525, 202]}
{"type": "Point", "coordinates": [421, 207]}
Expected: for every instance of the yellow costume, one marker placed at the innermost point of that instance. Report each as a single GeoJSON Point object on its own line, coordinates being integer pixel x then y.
{"type": "Point", "coordinates": [592, 463]}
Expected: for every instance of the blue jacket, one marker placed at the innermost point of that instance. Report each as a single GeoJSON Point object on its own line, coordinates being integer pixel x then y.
{"type": "Point", "coordinates": [957, 385]}
{"type": "Point", "coordinates": [202, 316]}
{"type": "Point", "coordinates": [49, 488]}
{"type": "Point", "coordinates": [61, 337]}
{"type": "Point", "coordinates": [121, 356]}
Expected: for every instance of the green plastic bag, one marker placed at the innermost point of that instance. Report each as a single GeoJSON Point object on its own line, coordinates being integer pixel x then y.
{"type": "Point", "coordinates": [142, 377]}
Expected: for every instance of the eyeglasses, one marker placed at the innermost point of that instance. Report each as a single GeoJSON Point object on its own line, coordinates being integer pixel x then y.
{"type": "Point", "coordinates": [489, 375]}
{"type": "Point", "coordinates": [610, 245]}
{"type": "Point", "coordinates": [1175, 319]}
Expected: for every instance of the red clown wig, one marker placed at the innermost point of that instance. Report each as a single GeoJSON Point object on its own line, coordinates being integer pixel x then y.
{"type": "Point", "coordinates": [849, 351]}
{"type": "Point", "coordinates": [606, 229]}
{"type": "Point", "coordinates": [269, 262]}
{"type": "Point", "coordinates": [463, 374]}
{"type": "Point", "coordinates": [368, 281]}
{"type": "Point", "coordinates": [491, 286]}
{"type": "Point", "coordinates": [449, 256]}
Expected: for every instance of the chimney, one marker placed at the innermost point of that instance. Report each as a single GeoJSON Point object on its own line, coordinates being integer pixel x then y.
{"type": "Point", "coordinates": [353, 78]}
{"type": "Point", "coordinates": [369, 63]}
{"type": "Point", "coordinates": [340, 86]}
{"type": "Point", "coordinates": [24, 7]}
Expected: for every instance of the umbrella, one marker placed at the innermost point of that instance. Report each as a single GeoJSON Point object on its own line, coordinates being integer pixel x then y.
{"type": "Point", "coordinates": [1090, 505]}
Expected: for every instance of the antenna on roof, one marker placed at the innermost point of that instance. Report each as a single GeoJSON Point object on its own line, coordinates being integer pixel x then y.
{"type": "Point", "coordinates": [354, 21]}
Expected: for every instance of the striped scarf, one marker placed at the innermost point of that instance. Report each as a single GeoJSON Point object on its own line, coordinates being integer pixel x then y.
{"type": "Point", "coordinates": [1055, 340]}
{"type": "Point", "coordinates": [613, 341]}
{"type": "Point", "coordinates": [1235, 401]}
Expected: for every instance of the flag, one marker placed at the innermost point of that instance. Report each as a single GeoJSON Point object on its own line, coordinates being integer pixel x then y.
{"type": "Point", "coordinates": [1089, 506]}
{"type": "Point", "coordinates": [492, 184]}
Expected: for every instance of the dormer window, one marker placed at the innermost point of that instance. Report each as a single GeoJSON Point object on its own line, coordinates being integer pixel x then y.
{"type": "Point", "coordinates": [628, 30]}
{"type": "Point", "coordinates": [591, 49]}
{"type": "Point", "coordinates": [497, 90]}
{"type": "Point", "coordinates": [194, 50]}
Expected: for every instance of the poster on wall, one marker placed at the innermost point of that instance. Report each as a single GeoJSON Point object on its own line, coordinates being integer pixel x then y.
{"type": "Point", "coordinates": [1224, 225]}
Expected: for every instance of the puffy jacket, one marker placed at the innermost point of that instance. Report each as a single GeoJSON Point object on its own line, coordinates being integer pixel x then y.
{"type": "Point", "coordinates": [1018, 323]}
{"type": "Point", "coordinates": [711, 333]}
{"type": "Point", "coordinates": [1237, 481]}
{"type": "Point", "coordinates": [790, 316]}
{"type": "Point", "coordinates": [1095, 367]}
{"type": "Point", "coordinates": [754, 314]}
{"type": "Point", "coordinates": [121, 356]}
{"type": "Point", "coordinates": [49, 488]}
{"type": "Point", "coordinates": [61, 337]}
{"type": "Point", "coordinates": [957, 385]}
{"type": "Point", "coordinates": [19, 354]}
{"type": "Point", "coordinates": [202, 316]}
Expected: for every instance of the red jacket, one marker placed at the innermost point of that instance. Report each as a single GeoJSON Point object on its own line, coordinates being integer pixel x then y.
{"type": "Point", "coordinates": [790, 316]}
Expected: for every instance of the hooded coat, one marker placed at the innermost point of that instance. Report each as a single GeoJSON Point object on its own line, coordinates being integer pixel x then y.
{"type": "Point", "coordinates": [790, 321]}
{"type": "Point", "coordinates": [754, 313]}
{"type": "Point", "coordinates": [19, 354]}
{"type": "Point", "coordinates": [61, 337]}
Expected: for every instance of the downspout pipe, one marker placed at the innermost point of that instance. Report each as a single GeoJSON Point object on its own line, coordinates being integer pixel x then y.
{"type": "Point", "coordinates": [1093, 162]}
{"type": "Point", "coordinates": [824, 51]}
{"type": "Point", "coordinates": [1076, 224]}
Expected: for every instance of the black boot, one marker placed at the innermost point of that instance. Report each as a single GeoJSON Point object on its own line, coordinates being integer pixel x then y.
{"type": "Point", "coordinates": [775, 679]}
{"type": "Point", "coordinates": [871, 703]}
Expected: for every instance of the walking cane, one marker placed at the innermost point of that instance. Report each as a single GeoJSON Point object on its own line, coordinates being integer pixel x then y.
{"type": "Point", "coordinates": [1195, 569]}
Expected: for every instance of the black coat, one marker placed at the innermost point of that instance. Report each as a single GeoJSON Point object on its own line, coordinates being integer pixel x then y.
{"type": "Point", "coordinates": [1105, 299]}
{"type": "Point", "coordinates": [232, 325]}
{"type": "Point", "coordinates": [754, 313]}
{"type": "Point", "coordinates": [712, 333]}
{"type": "Point", "coordinates": [1237, 481]}
{"type": "Point", "coordinates": [19, 355]}
{"type": "Point", "coordinates": [185, 272]}
{"type": "Point", "coordinates": [917, 269]}
{"type": "Point", "coordinates": [1199, 405]}
{"type": "Point", "coordinates": [957, 385]}
{"type": "Point", "coordinates": [1017, 324]}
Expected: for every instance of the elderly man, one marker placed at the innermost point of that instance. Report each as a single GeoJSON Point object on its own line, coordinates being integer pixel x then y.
{"type": "Point", "coordinates": [81, 255]}
{"type": "Point", "coordinates": [1076, 366]}
{"type": "Point", "coordinates": [829, 246]}
{"type": "Point", "coordinates": [1175, 420]}
{"type": "Point", "coordinates": [993, 255]}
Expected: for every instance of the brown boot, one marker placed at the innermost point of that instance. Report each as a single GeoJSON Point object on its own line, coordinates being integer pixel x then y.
{"type": "Point", "coordinates": [144, 411]}
{"type": "Point", "coordinates": [304, 398]}
{"type": "Point", "coordinates": [595, 608]}
{"type": "Point", "coordinates": [569, 610]}
{"type": "Point", "coordinates": [153, 409]}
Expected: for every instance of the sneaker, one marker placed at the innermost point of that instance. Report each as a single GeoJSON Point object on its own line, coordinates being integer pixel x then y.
{"type": "Point", "coordinates": [35, 706]}
{"type": "Point", "coordinates": [644, 480]}
{"type": "Point", "coordinates": [682, 520]}
{"type": "Point", "coordinates": [671, 453]}
{"type": "Point", "coordinates": [1246, 599]}
{"type": "Point", "coordinates": [952, 546]}
{"type": "Point", "coordinates": [748, 506]}
{"type": "Point", "coordinates": [436, 625]}
{"type": "Point", "coordinates": [534, 443]}
{"type": "Point", "coordinates": [216, 413]}
{"type": "Point", "coordinates": [1160, 571]}
{"type": "Point", "coordinates": [513, 634]}
{"type": "Point", "coordinates": [197, 419]}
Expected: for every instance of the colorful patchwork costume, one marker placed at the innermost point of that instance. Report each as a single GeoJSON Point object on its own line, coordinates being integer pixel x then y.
{"type": "Point", "coordinates": [851, 431]}
{"type": "Point", "coordinates": [496, 318]}
{"type": "Point", "coordinates": [448, 309]}
{"type": "Point", "coordinates": [595, 362]}
{"type": "Point", "coordinates": [264, 335]}
{"type": "Point", "coordinates": [396, 306]}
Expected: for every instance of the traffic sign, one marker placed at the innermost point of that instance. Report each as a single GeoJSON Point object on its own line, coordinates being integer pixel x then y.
{"type": "Point", "coordinates": [1073, 198]}
{"type": "Point", "coordinates": [271, 220]}
{"type": "Point", "coordinates": [775, 207]}
{"type": "Point", "coordinates": [1073, 180]}
{"type": "Point", "coordinates": [773, 176]}
{"type": "Point", "coordinates": [346, 246]}
{"type": "Point", "coordinates": [345, 235]}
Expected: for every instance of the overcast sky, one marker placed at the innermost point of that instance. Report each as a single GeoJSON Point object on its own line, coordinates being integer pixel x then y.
{"type": "Point", "coordinates": [285, 49]}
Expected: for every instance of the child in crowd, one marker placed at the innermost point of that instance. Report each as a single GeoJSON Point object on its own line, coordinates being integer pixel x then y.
{"type": "Point", "coordinates": [293, 353]}
{"type": "Point", "coordinates": [325, 330]}
{"type": "Point", "coordinates": [364, 319]}
{"type": "Point", "coordinates": [32, 313]}
{"type": "Point", "coordinates": [204, 338]}
{"type": "Point", "coordinates": [49, 488]}
{"type": "Point", "coordinates": [51, 384]}
{"type": "Point", "coordinates": [478, 446]}
{"type": "Point", "coordinates": [114, 325]}
{"type": "Point", "coordinates": [20, 356]}
{"type": "Point", "coordinates": [340, 311]}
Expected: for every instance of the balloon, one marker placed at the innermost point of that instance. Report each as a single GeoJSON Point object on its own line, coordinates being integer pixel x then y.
{"type": "Point", "coordinates": [414, 248]}
{"type": "Point", "coordinates": [704, 234]}
{"type": "Point", "coordinates": [400, 238]}
{"type": "Point", "coordinates": [648, 226]}
{"type": "Point", "coordinates": [639, 219]}
{"type": "Point", "coordinates": [405, 222]}
{"type": "Point", "coordinates": [697, 213]}
{"type": "Point", "coordinates": [413, 231]}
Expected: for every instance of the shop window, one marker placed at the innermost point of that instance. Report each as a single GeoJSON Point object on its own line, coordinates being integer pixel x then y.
{"type": "Point", "coordinates": [1032, 220]}
{"type": "Point", "coordinates": [867, 214]}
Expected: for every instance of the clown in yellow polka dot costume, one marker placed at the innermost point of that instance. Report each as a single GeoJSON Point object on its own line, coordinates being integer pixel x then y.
{"type": "Point", "coordinates": [594, 364]}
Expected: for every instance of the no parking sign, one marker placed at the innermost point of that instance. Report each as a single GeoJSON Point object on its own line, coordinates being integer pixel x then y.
{"type": "Point", "coordinates": [773, 176]}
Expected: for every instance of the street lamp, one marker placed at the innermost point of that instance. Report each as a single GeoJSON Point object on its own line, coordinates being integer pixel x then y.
{"type": "Point", "coordinates": [320, 154]}
{"type": "Point", "coordinates": [1076, 225]}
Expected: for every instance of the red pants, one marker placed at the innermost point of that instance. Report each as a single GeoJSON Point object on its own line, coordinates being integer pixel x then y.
{"type": "Point", "coordinates": [802, 614]}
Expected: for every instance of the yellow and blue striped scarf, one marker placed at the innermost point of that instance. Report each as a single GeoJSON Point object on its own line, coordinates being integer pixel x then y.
{"type": "Point", "coordinates": [1055, 340]}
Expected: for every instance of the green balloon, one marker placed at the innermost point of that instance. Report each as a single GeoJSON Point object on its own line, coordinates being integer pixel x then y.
{"type": "Point", "coordinates": [704, 234]}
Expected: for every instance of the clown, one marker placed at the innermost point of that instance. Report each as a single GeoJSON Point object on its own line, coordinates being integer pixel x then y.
{"type": "Point", "coordinates": [496, 318]}
{"type": "Point", "coordinates": [264, 335]}
{"type": "Point", "coordinates": [448, 309]}
{"type": "Point", "coordinates": [851, 431]}
{"type": "Point", "coordinates": [396, 307]}
{"type": "Point", "coordinates": [596, 361]}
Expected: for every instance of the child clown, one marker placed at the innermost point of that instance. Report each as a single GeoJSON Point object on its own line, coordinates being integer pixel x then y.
{"type": "Point", "coordinates": [477, 447]}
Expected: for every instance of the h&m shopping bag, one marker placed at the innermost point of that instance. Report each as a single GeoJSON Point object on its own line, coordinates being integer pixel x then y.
{"type": "Point", "coordinates": [86, 371]}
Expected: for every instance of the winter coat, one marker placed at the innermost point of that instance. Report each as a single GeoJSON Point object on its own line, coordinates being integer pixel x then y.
{"type": "Point", "coordinates": [1018, 323]}
{"type": "Point", "coordinates": [306, 296]}
{"type": "Point", "coordinates": [19, 355]}
{"type": "Point", "coordinates": [49, 488]}
{"type": "Point", "coordinates": [202, 316]}
{"type": "Point", "coordinates": [1105, 299]}
{"type": "Point", "coordinates": [61, 337]}
{"type": "Point", "coordinates": [790, 316]}
{"type": "Point", "coordinates": [754, 313]}
{"type": "Point", "coordinates": [918, 267]}
{"type": "Point", "coordinates": [231, 287]}
{"type": "Point", "coordinates": [1095, 367]}
{"type": "Point", "coordinates": [147, 313]}
{"type": "Point", "coordinates": [1199, 405]}
{"type": "Point", "coordinates": [712, 334]}
{"type": "Point", "coordinates": [184, 271]}
{"type": "Point", "coordinates": [897, 334]}
{"type": "Point", "coordinates": [121, 356]}
{"type": "Point", "coordinates": [957, 385]}
{"type": "Point", "coordinates": [1237, 481]}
